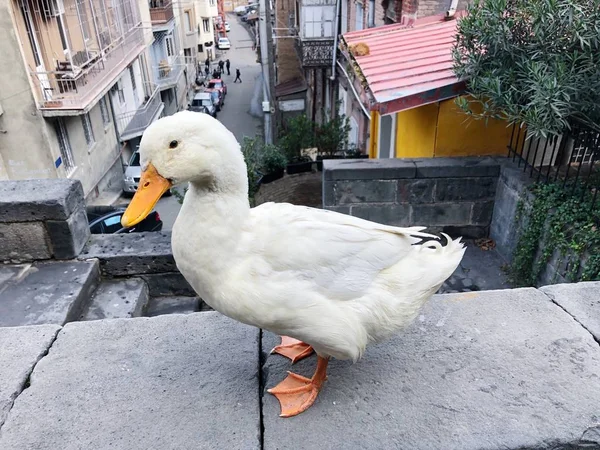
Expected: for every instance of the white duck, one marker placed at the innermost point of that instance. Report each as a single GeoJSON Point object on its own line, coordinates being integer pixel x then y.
{"type": "Point", "coordinates": [332, 282]}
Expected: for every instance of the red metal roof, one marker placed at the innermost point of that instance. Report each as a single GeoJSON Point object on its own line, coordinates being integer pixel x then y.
{"type": "Point", "coordinates": [408, 67]}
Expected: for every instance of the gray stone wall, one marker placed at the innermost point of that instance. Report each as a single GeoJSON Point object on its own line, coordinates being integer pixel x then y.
{"type": "Point", "coordinates": [297, 189]}
{"type": "Point", "coordinates": [42, 219]}
{"type": "Point", "coordinates": [454, 195]}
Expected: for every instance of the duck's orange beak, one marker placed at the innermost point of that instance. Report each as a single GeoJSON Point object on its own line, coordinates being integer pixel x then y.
{"type": "Point", "coordinates": [151, 188]}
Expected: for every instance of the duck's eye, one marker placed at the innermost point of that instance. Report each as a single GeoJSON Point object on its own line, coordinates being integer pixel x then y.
{"type": "Point", "coordinates": [173, 144]}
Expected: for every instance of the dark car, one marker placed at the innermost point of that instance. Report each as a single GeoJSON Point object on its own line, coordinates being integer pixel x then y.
{"type": "Point", "coordinates": [110, 222]}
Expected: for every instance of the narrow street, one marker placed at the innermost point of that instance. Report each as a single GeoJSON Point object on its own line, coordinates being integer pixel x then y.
{"type": "Point", "coordinates": [241, 113]}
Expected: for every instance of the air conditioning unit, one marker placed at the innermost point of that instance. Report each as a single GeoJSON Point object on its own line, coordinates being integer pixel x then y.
{"type": "Point", "coordinates": [52, 8]}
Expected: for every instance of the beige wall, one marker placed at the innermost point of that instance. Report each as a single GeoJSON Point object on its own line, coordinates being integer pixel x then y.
{"type": "Point", "coordinates": [24, 149]}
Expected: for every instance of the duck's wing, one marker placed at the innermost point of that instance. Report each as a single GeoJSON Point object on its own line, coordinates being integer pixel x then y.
{"type": "Point", "coordinates": [340, 254]}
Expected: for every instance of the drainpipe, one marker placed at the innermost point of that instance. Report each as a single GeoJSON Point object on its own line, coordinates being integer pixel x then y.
{"type": "Point", "coordinates": [338, 7]}
{"type": "Point", "coordinates": [452, 10]}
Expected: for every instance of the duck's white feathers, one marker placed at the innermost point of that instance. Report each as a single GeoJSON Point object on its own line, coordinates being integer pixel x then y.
{"type": "Point", "coordinates": [334, 281]}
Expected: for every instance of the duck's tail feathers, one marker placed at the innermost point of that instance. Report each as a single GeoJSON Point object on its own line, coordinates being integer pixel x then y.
{"type": "Point", "coordinates": [442, 259]}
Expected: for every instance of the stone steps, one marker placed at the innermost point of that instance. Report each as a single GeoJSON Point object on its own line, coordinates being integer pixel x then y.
{"type": "Point", "coordinates": [46, 292]}
{"type": "Point", "coordinates": [158, 306]}
{"type": "Point", "coordinates": [117, 299]}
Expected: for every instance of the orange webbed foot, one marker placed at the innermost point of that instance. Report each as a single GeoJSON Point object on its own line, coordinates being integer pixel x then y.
{"type": "Point", "coordinates": [297, 393]}
{"type": "Point", "coordinates": [293, 349]}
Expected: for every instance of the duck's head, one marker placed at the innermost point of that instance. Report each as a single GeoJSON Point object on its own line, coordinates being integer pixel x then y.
{"type": "Point", "coordinates": [186, 147]}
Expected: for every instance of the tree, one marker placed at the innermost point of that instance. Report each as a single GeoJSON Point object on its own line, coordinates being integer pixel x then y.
{"type": "Point", "coordinates": [535, 63]}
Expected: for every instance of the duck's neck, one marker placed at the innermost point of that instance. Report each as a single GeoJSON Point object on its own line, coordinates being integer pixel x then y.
{"type": "Point", "coordinates": [211, 219]}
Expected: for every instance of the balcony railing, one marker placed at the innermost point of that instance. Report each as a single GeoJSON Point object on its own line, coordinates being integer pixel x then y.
{"type": "Point", "coordinates": [313, 52]}
{"type": "Point", "coordinates": [167, 72]}
{"type": "Point", "coordinates": [133, 123]}
{"type": "Point", "coordinates": [74, 86]}
{"type": "Point", "coordinates": [161, 11]}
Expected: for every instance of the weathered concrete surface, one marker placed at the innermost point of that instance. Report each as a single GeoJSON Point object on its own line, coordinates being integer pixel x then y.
{"type": "Point", "coordinates": [170, 382]}
{"type": "Point", "coordinates": [132, 253]}
{"type": "Point", "coordinates": [157, 306]}
{"type": "Point", "coordinates": [581, 300]}
{"type": "Point", "coordinates": [24, 241]}
{"type": "Point", "coordinates": [39, 200]}
{"type": "Point", "coordinates": [20, 350]}
{"type": "Point", "coordinates": [480, 370]}
{"type": "Point", "coordinates": [118, 299]}
{"type": "Point", "coordinates": [47, 292]}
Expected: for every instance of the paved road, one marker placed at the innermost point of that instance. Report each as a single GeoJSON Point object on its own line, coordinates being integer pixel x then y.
{"type": "Point", "coordinates": [242, 110]}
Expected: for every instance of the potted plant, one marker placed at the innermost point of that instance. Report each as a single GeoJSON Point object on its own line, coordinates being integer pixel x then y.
{"type": "Point", "coordinates": [272, 164]}
{"type": "Point", "coordinates": [297, 134]}
{"type": "Point", "coordinates": [331, 139]}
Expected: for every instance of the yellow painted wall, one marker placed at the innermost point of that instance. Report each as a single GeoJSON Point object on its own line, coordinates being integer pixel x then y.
{"type": "Point", "coordinates": [415, 132]}
{"type": "Point", "coordinates": [374, 130]}
{"type": "Point", "coordinates": [461, 135]}
{"type": "Point", "coordinates": [442, 129]}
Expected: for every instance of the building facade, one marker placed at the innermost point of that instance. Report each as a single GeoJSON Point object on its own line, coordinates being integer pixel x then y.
{"type": "Point", "coordinates": [86, 78]}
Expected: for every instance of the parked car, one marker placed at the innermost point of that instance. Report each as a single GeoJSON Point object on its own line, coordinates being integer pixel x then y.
{"type": "Point", "coordinates": [220, 98]}
{"type": "Point", "coordinates": [227, 27]}
{"type": "Point", "coordinates": [240, 10]}
{"type": "Point", "coordinates": [223, 43]}
{"type": "Point", "coordinates": [248, 14]}
{"type": "Point", "coordinates": [132, 175]}
{"type": "Point", "coordinates": [110, 222]}
{"type": "Point", "coordinates": [203, 102]}
{"type": "Point", "coordinates": [217, 83]}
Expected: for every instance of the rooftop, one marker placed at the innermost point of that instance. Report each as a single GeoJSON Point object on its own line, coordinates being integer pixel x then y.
{"type": "Point", "coordinates": [405, 66]}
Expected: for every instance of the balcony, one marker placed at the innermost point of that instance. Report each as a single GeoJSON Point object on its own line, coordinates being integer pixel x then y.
{"type": "Point", "coordinates": [161, 11]}
{"type": "Point", "coordinates": [315, 53]}
{"type": "Point", "coordinates": [133, 123]}
{"type": "Point", "coordinates": [168, 71]}
{"type": "Point", "coordinates": [75, 86]}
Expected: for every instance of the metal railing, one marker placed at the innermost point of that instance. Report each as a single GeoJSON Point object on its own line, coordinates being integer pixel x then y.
{"type": "Point", "coordinates": [161, 11]}
{"type": "Point", "coordinates": [133, 123]}
{"type": "Point", "coordinates": [572, 159]}
{"type": "Point", "coordinates": [168, 71]}
{"type": "Point", "coordinates": [75, 86]}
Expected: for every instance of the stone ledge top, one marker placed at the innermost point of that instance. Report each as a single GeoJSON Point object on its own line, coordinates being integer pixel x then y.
{"type": "Point", "coordinates": [169, 382]}
{"type": "Point", "coordinates": [382, 169]}
{"type": "Point", "coordinates": [37, 200]}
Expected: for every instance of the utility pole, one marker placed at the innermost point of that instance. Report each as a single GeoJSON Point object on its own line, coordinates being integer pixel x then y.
{"type": "Point", "coordinates": [266, 60]}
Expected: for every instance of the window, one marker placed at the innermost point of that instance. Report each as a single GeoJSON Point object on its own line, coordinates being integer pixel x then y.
{"type": "Point", "coordinates": [83, 19]}
{"type": "Point", "coordinates": [64, 145]}
{"type": "Point", "coordinates": [318, 21]}
{"type": "Point", "coordinates": [200, 48]}
{"type": "Point", "coordinates": [170, 45]}
{"type": "Point", "coordinates": [132, 76]}
{"type": "Point", "coordinates": [104, 111]}
{"type": "Point", "coordinates": [87, 129]}
{"type": "Point", "coordinates": [206, 25]}
{"type": "Point", "coordinates": [188, 22]}
{"type": "Point", "coordinates": [371, 13]}
{"type": "Point", "coordinates": [120, 92]}
{"type": "Point", "coordinates": [359, 16]}
{"type": "Point", "coordinates": [213, 2]}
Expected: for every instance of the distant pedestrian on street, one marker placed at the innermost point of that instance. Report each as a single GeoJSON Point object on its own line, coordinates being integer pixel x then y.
{"type": "Point", "coordinates": [221, 64]}
{"type": "Point", "coordinates": [207, 62]}
{"type": "Point", "coordinates": [238, 74]}
{"type": "Point", "coordinates": [228, 65]}
{"type": "Point", "coordinates": [206, 71]}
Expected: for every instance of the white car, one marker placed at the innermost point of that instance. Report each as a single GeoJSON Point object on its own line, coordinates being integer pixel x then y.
{"type": "Point", "coordinates": [240, 10]}
{"type": "Point", "coordinates": [223, 43]}
{"type": "Point", "coordinates": [227, 27]}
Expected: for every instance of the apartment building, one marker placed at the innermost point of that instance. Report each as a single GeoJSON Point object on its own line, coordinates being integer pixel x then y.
{"type": "Point", "coordinates": [206, 11]}
{"type": "Point", "coordinates": [77, 89]}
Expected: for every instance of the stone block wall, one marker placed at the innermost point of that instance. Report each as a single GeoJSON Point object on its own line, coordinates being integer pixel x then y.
{"type": "Point", "coordinates": [297, 189]}
{"type": "Point", "coordinates": [454, 195]}
{"type": "Point", "coordinates": [42, 219]}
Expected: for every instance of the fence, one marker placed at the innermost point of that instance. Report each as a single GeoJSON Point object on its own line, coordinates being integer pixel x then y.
{"type": "Point", "coordinates": [572, 159]}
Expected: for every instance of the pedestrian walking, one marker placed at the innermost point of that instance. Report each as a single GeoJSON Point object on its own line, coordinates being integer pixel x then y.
{"type": "Point", "coordinates": [206, 71]}
{"type": "Point", "coordinates": [228, 65]}
{"type": "Point", "coordinates": [207, 63]}
{"type": "Point", "coordinates": [216, 74]}
{"type": "Point", "coordinates": [221, 64]}
{"type": "Point", "coordinates": [238, 74]}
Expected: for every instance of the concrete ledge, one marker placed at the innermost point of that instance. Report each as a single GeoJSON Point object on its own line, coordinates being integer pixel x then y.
{"type": "Point", "coordinates": [131, 254]}
{"type": "Point", "coordinates": [39, 200]}
{"type": "Point", "coordinates": [581, 300]}
{"type": "Point", "coordinates": [372, 169]}
{"type": "Point", "coordinates": [169, 382]}
{"type": "Point", "coordinates": [488, 370]}
{"type": "Point", "coordinates": [20, 350]}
